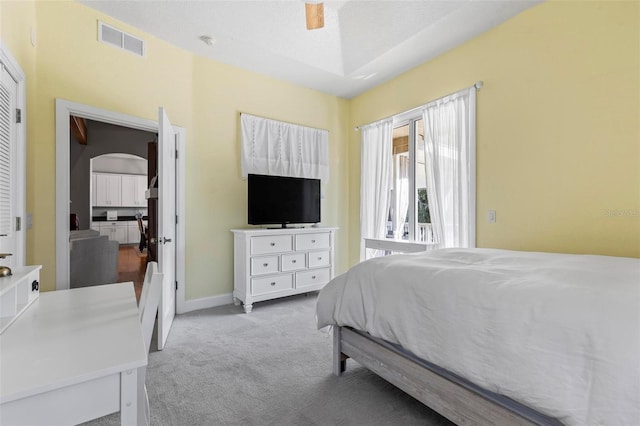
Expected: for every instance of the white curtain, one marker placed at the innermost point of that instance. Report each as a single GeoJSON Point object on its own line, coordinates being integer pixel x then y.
{"type": "Point", "coordinates": [271, 147]}
{"type": "Point", "coordinates": [449, 125]}
{"type": "Point", "coordinates": [401, 194]}
{"type": "Point", "coordinates": [375, 182]}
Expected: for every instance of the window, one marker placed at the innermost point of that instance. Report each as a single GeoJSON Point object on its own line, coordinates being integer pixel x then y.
{"type": "Point", "coordinates": [418, 178]}
{"type": "Point", "coordinates": [409, 217]}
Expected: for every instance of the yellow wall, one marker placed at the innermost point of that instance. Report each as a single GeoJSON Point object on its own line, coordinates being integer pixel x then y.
{"type": "Point", "coordinates": [217, 196]}
{"type": "Point", "coordinates": [200, 95]}
{"type": "Point", "coordinates": [17, 20]}
{"type": "Point", "coordinates": [558, 127]}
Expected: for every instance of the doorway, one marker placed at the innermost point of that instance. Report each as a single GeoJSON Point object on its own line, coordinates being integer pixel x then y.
{"type": "Point", "coordinates": [64, 111]}
{"type": "Point", "coordinates": [108, 183]}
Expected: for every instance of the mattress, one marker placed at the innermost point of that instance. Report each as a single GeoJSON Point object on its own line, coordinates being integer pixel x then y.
{"type": "Point", "coordinates": [558, 333]}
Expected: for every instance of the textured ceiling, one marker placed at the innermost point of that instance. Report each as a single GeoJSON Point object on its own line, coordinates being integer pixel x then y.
{"type": "Point", "coordinates": [363, 42]}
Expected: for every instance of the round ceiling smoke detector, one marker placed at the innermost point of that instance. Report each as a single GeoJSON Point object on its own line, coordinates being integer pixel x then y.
{"type": "Point", "coordinates": [208, 40]}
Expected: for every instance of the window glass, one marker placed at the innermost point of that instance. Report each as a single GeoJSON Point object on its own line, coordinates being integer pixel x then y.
{"type": "Point", "coordinates": [423, 228]}
{"type": "Point", "coordinates": [408, 217]}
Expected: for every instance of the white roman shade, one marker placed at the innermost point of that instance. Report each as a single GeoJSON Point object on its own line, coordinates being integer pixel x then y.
{"type": "Point", "coordinates": [271, 147]}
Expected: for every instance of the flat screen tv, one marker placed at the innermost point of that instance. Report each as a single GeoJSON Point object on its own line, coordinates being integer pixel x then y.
{"type": "Point", "coordinates": [279, 200]}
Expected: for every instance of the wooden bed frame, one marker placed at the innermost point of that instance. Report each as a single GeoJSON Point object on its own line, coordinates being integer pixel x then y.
{"type": "Point", "coordinates": [452, 397]}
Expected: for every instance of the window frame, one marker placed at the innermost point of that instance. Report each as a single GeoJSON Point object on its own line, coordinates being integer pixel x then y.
{"type": "Point", "coordinates": [409, 118]}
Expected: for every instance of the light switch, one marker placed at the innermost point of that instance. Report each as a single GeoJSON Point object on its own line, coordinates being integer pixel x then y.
{"type": "Point", "coordinates": [491, 216]}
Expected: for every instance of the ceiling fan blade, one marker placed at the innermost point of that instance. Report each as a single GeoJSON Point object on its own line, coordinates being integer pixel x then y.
{"type": "Point", "coordinates": [315, 15]}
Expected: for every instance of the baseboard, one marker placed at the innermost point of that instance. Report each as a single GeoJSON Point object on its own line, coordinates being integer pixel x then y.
{"type": "Point", "coordinates": [206, 302]}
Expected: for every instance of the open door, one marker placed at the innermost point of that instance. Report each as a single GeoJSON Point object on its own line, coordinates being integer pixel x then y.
{"type": "Point", "coordinates": [166, 241]}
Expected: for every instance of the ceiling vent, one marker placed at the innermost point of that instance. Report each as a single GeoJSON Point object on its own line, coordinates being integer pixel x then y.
{"type": "Point", "coordinates": [120, 39]}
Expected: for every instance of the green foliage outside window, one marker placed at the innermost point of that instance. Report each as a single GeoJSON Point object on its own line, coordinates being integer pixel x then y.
{"type": "Point", "coordinates": [423, 206]}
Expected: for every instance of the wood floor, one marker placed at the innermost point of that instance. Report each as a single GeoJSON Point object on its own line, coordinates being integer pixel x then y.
{"type": "Point", "coordinates": [131, 266]}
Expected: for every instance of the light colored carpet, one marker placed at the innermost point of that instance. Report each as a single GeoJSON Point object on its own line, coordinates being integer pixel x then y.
{"type": "Point", "coordinates": [221, 366]}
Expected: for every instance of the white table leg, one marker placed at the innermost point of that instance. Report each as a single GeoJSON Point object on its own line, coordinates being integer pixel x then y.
{"type": "Point", "coordinates": [129, 398]}
{"type": "Point", "coordinates": [143, 399]}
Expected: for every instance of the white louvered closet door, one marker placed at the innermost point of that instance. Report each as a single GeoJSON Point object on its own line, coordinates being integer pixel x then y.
{"type": "Point", "coordinates": [8, 176]}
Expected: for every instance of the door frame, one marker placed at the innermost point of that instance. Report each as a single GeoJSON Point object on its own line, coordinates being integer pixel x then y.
{"type": "Point", "coordinates": [64, 110]}
{"type": "Point", "coordinates": [15, 71]}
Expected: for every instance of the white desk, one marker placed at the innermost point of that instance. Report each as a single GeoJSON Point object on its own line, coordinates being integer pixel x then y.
{"type": "Point", "coordinates": [71, 357]}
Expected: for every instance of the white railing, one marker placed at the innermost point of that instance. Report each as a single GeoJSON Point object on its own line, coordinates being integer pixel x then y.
{"type": "Point", "coordinates": [425, 233]}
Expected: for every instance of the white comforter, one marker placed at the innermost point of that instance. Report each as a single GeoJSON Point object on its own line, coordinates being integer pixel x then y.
{"type": "Point", "coordinates": [559, 333]}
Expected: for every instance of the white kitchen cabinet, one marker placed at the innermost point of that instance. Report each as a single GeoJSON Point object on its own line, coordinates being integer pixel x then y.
{"type": "Point", "coordinates": [120, 233]}
{"type": "Point", "coordinates": [133, 233]}
{"type": "Point", "coordinates": [141, 187]}
{"type": "Point", "coordinates": [125, 232]}
{"type": "Point", "coordinates": [133, 187]}
{"type": "Point", "coordinates": [272, 263]}
{"type": "Point", "coordinates": [118, 190]}
{"type": "Point", "coordinates": [108, 190]}
{"type": "Point", "coordinates": [128, 191]}
{"type": "Point", "coordinates": [93, 189]}
{"type": "Point", "coordinates": [116, 231]}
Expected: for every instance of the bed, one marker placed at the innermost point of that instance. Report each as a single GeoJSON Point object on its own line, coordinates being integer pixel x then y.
{"type": "Point", "coordinates": [486, 336]}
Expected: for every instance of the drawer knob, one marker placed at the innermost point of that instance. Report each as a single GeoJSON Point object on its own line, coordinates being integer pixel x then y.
{"type": "Point", "coordinates": [319, 257]}
{"type": "Point", "coordinates": [293, 261]}
{"type": "Point", "coordinates": [313, 277]}
{"type": "Point", "coordinates": [265, 264]}
{"type": "Point", "coordinates": [273, 283]}
{"type": "Point", "coordinates": [313, 241]}
{"type": "Point", "coordinates": [273, 244]}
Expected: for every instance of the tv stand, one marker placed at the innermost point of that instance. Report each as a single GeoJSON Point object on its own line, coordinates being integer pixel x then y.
{"type": "Point", "coordinates": [273, 263]}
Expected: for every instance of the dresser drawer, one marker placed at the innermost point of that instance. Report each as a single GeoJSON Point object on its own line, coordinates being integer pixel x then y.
{"type": "Point", "coordinates": [313, 277]}
{"type": "Point", "coordinates": [271, 244]}
{"type": "Point", "coordinates": [318, 258]}
{"type": "Point", "coordinates": [293, 261]}
{"type": "Point", "coordinates": [271, 284]}
{"type": "Point", "coordinates": [312, 241]}
{"type": "Point", "coordinates": [264, 265]}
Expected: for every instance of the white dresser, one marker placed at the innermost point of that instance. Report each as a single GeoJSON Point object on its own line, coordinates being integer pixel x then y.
{"type": "Point", "coordinates": [272, 263]}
